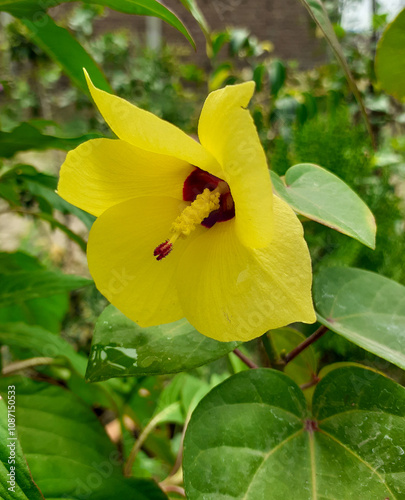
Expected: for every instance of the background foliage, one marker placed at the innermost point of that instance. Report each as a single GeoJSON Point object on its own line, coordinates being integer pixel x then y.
{"type": "Point", "coordinates": [124, 433]}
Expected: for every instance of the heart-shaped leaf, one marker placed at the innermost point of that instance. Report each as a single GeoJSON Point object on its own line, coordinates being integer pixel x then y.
{"type": "Point", "coordinates": [366, 308]}
{"type": "Point", "coordinates": [121, 348]}
{"type": "Point", "coordinates": [252, 438]}
{"type": "Point", "coordinates": [321, 196]}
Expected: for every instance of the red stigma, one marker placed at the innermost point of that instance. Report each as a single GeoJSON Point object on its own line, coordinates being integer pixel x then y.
{"type": "Point", "coordinates": [163, 250]}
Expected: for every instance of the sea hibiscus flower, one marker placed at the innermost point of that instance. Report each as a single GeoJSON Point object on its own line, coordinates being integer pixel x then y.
{"type": "Point", "coordinates": [190, 229]}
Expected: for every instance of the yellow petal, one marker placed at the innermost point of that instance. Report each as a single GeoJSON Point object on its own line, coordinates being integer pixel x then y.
{"type": "Point", "coordinates": [104, 172]}
{"type": "Point", "coordinates": [227, 131]}
{"type": "Point", "coordinates": [146, 131]}
{"type": "Point", "coordinates": [230, 292]}
{"type": "Point", "coordinates": [121, 261]}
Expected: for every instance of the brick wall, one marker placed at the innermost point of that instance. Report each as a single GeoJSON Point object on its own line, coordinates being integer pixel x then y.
{"type": "Point", "coordinates": [283, 22]}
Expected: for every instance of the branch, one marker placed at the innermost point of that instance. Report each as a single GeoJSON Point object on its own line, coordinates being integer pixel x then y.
{"type": "Point", "coordinates": [307, 342]}
{"type": "Point", "coordinates": [27, 363]}
{"type": "Point", "coordinates": [179, 457]}
{"type": "Point", "coordinates": [311, 383]}
{"type": "Point", "coordinates": [248, 362]}
{"type": "Point", "coordinates": [156, 420]}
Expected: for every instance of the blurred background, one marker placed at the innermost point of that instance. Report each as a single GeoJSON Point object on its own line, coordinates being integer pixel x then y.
{"type": "Point", "coordinates": [303, 110]}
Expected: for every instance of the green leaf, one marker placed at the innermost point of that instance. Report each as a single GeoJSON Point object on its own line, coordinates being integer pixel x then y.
{"type": "Point", "coordinates": [252, 438]}
{"type": "Point", "coordinates": [186, 390]}
{"type": "Point", "coordinates": [40, 343]}
{"type": "Point", "coordinates": [192, 391]}
{"type": "Point", "coordinates": [56, 41]}
{"type": "Point", "coordinates": [20, 8]}
{"type": "Point", "coordinates": [340, 364]}
{"type": "Point", "coordinates": [319, 14]}
{"type": "Point", "coordinates": [122, 348]}
{"type": "Point", "coordinates": [65, 50]}
{"type": "Point", "coordinates": [26, 137]}
{"type": "Point", "coordinates": [24, 487]}
{"type": "Point", "coordinates": [17, 261]}
{"type": "Point", "coordinates": [259, 75]}
{"type": "Point", "coordinates": [21, 286]}
{"type": "Point", "coordinates": [321, 196]}
{"type": "Point", "coordinates": [364, 307]}
{"type": "Point", "coordinates": [390, 57]}
{"type": "Point", "coordinates": [67, 449]}
{"type": "Point", "coordinates": [301, 369]}
{"type": "Point", "coordinates": [218, 40]}
{"type": "Point", "coordinates": [277, 75]}
{"type": "Point", "coordinates": [193, 8]}
{"type": "Point", "coordinates": [45, 312]}
{"type": "Point", "coordinates": [34, 10]}
{"type": "Point", "coordinates": [43, 187]}
{"type": "Point", "coordinates": [145, 8]}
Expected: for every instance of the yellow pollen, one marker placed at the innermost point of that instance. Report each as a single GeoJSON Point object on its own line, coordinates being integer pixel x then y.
{"type": "Point", "coordinates": [202, 206]}
{"type": "Point", "coordinates": [191, 216]}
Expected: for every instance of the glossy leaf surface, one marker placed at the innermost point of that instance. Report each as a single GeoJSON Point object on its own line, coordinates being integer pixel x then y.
{"type": "Point", "coordinates": [122, 348]}
{"type": "Point", "coordinates": [252, 438]}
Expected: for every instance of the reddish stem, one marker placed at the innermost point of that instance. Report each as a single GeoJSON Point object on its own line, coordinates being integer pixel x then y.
{"type": "Point", "coordinates": [248, 362]}
{"type": "Point", "coordinates": [307, 342]}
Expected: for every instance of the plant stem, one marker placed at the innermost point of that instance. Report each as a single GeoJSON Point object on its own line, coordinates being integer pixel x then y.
{"type": "Point", "coordinates": [307, 342]}
{"type": "Point", "coordinates": [275, 361]}
{"type": "Point", "coordinates": [27, 363]}
{"type": "Point", "coordinates": [179, 457]}
{"type": "Point", "coordinates": [311, 383]}
{"type": "Point", "coordinates": [156, 420]}
{"type": "Point", "coordinates": [248, 362]}
{"type": "Point", "coordinates": [173, 488]}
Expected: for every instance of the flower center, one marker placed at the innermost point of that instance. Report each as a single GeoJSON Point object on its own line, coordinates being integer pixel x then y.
{"type": "Point", "coordinates": [195, 184]}
{"type": "Point", "coordinates": [212, 202]}
{"type": "Point", "coordinates": [185, 223]}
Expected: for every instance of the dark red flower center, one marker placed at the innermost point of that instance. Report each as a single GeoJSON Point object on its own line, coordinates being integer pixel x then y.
{"type": "Point", "coordinates": [195, 184]}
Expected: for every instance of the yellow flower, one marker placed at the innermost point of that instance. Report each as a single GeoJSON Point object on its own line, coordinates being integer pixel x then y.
{"type": "Point", "coordinates": [188, 229]}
